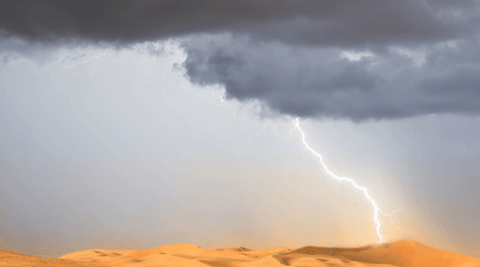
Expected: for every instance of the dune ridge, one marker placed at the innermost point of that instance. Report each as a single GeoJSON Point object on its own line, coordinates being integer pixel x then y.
{"type": "Point", "coordinates": [402, 253]}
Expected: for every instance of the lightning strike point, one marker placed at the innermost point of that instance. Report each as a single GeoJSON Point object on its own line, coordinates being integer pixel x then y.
{"type": "Point", "coordinates": [377, 210]}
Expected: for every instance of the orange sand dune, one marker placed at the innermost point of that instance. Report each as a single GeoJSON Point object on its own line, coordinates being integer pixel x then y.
{"type": "Point", "coordinates": [400, 253]}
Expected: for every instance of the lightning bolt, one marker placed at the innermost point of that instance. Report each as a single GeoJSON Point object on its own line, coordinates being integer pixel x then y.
{"type": "Point", "coordinates": [91, 57]}
{"type": "Point", "coordinates": [377, 210]}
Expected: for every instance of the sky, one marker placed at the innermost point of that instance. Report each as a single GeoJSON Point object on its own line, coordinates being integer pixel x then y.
{"type": "Point", "coordinates": [127, 125]}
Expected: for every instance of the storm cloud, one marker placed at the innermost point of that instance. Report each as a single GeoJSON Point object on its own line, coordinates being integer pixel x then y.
{"type": "Point", "coordinates": [321, 82]}
{"type": "Point", "coordinates": [344, 59]}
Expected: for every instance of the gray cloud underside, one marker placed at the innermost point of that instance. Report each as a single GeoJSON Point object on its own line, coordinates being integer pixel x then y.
{"type": "Point", "coordinates": [424, 55]}
{"type": "Point", "coordinates": [327, 22]}
{"type": "Point", "coordinates": [317, 82]}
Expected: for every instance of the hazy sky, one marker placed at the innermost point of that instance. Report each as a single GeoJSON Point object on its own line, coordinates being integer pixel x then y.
{"type": "Point", "coordinates": [138, 124]}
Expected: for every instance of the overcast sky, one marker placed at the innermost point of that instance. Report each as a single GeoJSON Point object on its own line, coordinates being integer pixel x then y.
{"type": "Point", "coordinates": [138, 124]}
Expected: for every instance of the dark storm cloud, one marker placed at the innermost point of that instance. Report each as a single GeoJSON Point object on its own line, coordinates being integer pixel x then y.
{"type": "Point", "coordinates": [318, 82]}
{"type": "Point", "coordinates": [422, 57]}
{"type": "Point", "coordinates": [463, 82]}
{"type": "Point", "coordinates": [330, 22]}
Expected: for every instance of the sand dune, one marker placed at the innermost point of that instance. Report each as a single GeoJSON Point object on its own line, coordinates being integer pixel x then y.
{"type": "Point", "coordinates": [400, 253]}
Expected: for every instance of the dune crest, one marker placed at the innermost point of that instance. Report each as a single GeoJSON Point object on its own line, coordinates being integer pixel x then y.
{"type": "Point", "coordinates": [399, 253]}
{"type": "Point", "coordinates": [402, 253]}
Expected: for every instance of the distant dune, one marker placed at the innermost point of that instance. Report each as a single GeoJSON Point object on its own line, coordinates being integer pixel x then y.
{"type": "Point", "coordinates": [400, 253]}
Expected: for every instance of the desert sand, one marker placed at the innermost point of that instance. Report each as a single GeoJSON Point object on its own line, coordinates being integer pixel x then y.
{"type": "Point", "coordinates": [400, 253]}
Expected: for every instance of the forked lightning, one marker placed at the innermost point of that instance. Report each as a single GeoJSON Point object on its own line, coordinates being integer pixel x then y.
{"type": "Point", "coordinates": [377, 210]}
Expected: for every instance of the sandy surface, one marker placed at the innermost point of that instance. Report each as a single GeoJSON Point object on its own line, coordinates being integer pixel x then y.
{"type": "Point", "coordinates": [400, 253]}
